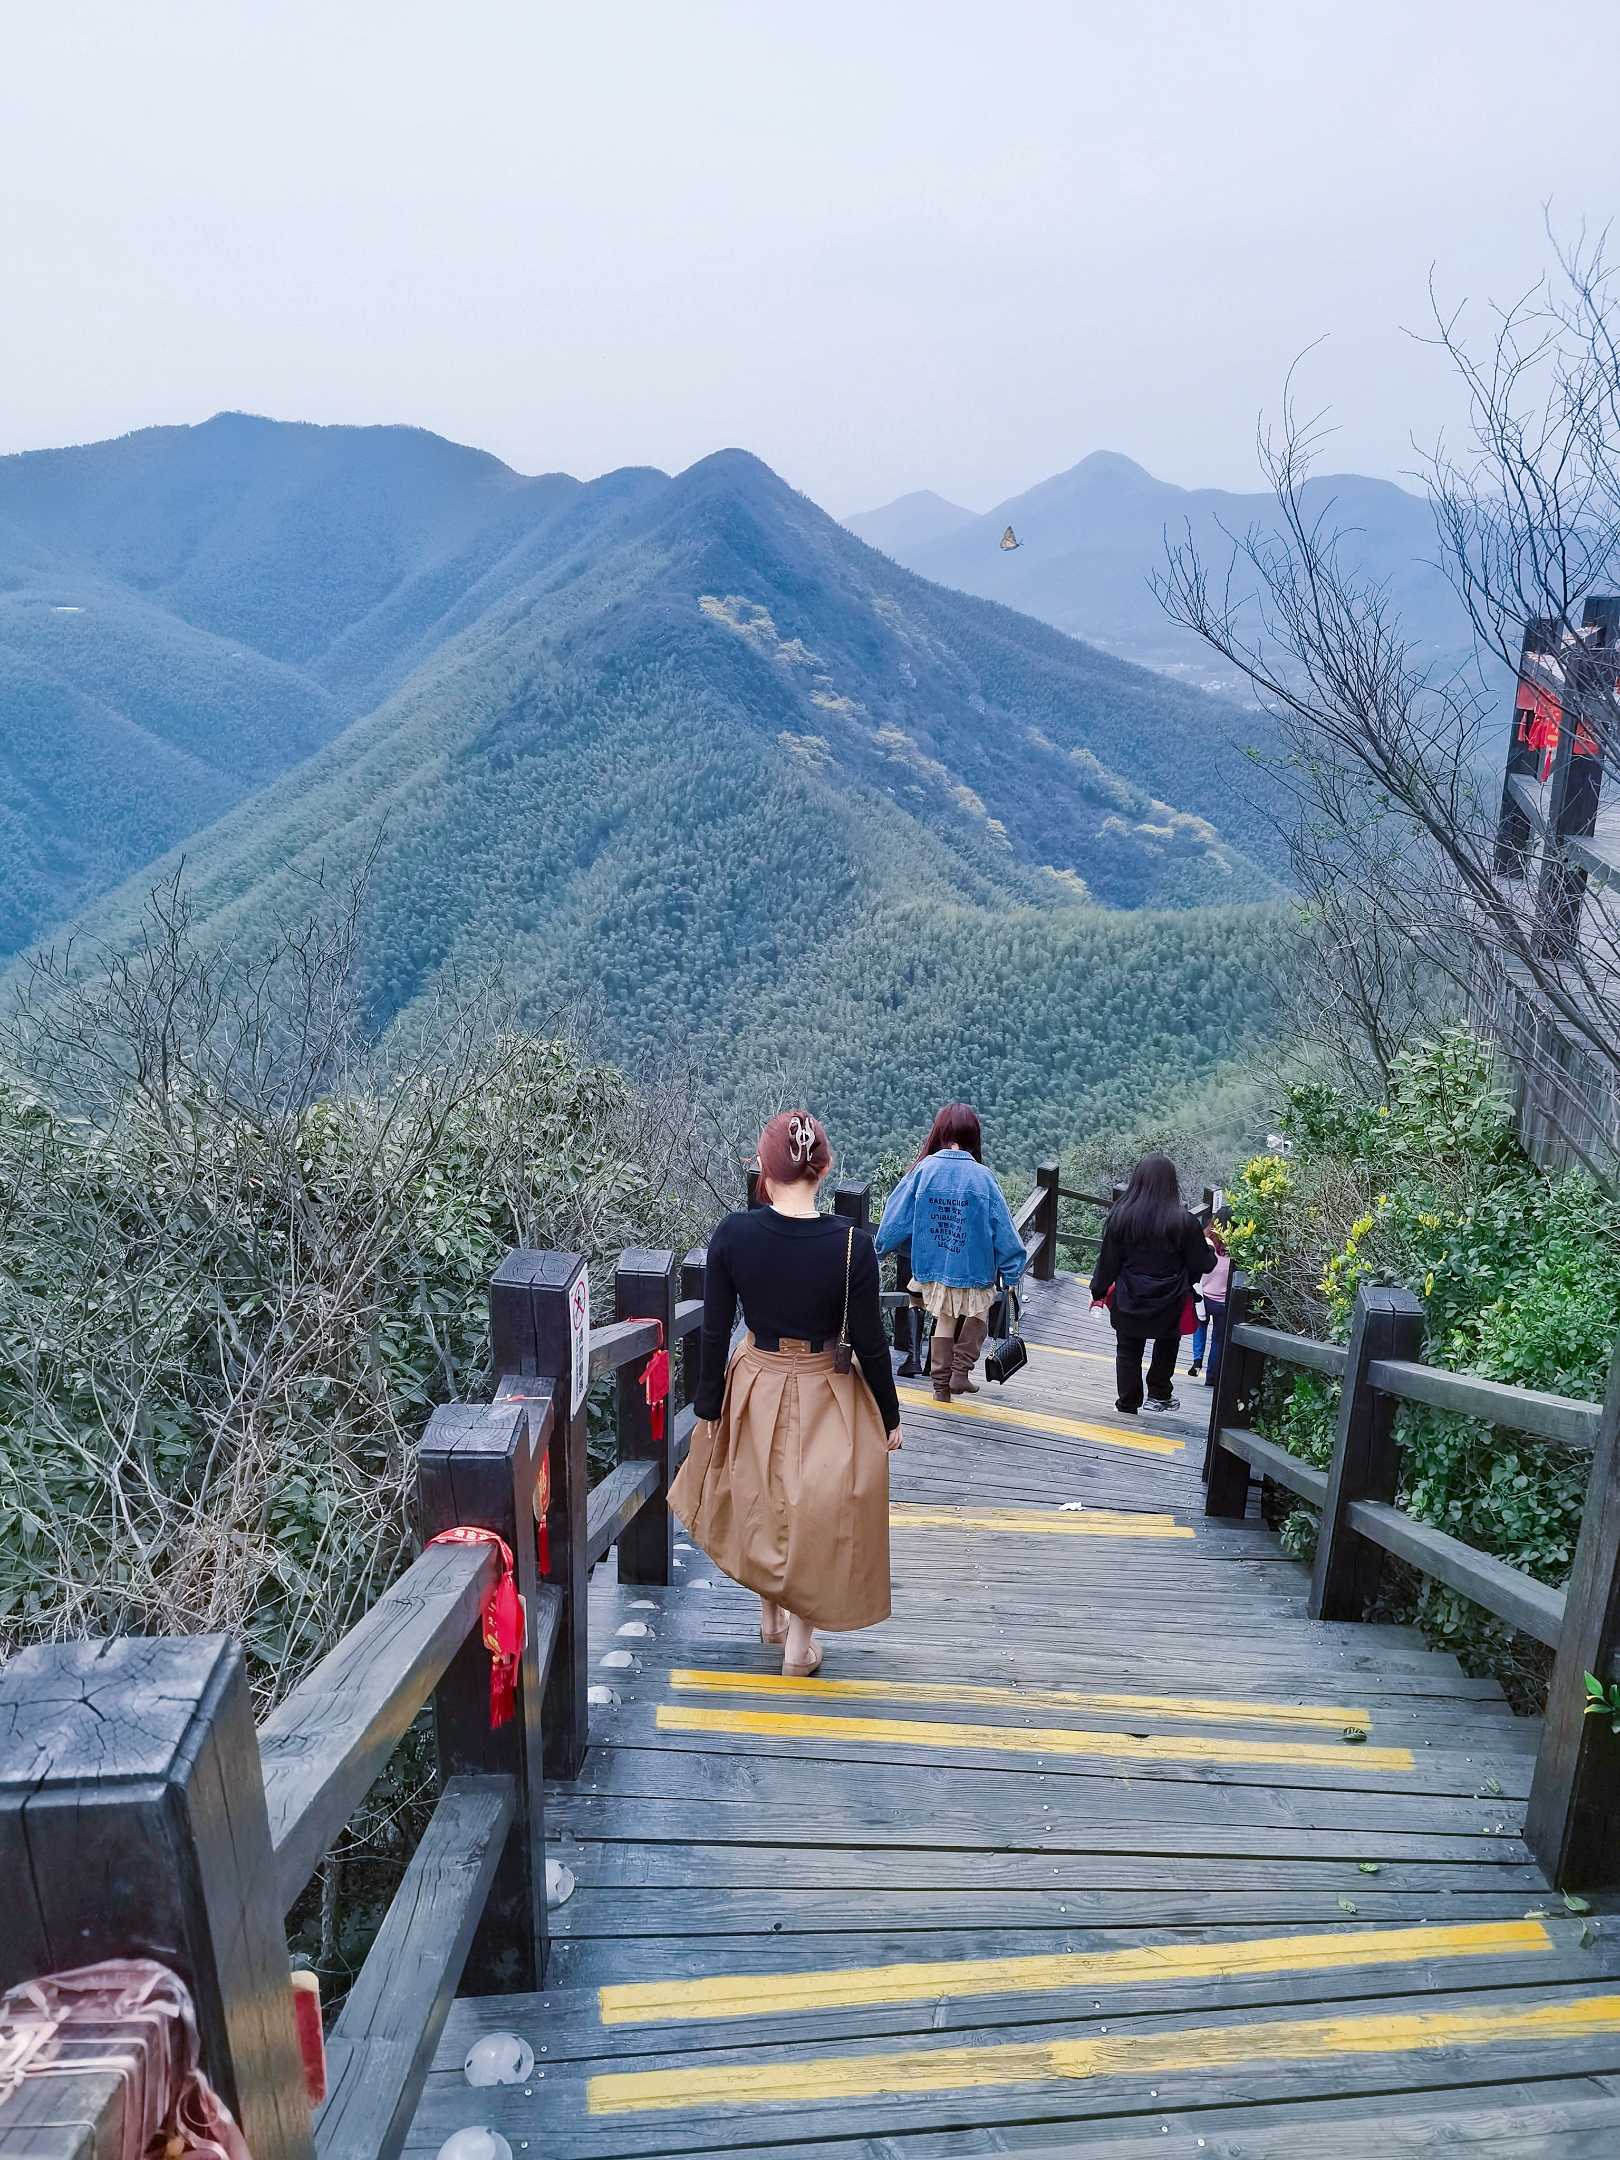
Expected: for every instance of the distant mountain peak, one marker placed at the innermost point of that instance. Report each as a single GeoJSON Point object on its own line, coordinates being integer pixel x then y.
{"type": "Point", "coordinates": [909, 521]}
{"type": "Point", "coordinates": [1115, 461]}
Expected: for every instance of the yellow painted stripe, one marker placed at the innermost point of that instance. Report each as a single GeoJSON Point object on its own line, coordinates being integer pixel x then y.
{"type": "Point", "coordinates": [1039, 1421]}
{"type": "Point", "coordinates": [733, 1995]}
{"type": "Point", "coordinates": [1052, 1349]}
{"type": "Point", "coordinates": [1208, 1710]}
{"type": "Point", "coordinates": [1199, 2048]}
{"type": "Point", "coordinates": [1029, 1739]}
{"type": "Point", "coordinates": [1034, 1522]}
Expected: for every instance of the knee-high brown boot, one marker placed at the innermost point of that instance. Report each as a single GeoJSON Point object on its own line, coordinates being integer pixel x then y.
{"type": "Point", "coordinates": [969, 1342]}
{"type": "Point", "coordinates": [939, 1360]}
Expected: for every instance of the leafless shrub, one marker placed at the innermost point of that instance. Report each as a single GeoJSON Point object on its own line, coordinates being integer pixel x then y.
{"type": "Point", "coordinates": [1395, 846]}
{"type": "Point", "coordinates": [243, 1253]}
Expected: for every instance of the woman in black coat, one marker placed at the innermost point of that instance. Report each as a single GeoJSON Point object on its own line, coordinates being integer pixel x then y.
{"type": "Point", "coordinates": [1152, 1254]}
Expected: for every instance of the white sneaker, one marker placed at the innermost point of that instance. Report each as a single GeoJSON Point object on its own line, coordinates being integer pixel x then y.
{"type": "Point", "coordinates": [1170, 1404]}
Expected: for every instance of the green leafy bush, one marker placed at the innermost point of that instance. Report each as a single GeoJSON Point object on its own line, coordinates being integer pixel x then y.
{"type": "Point", "coordinates": [1518, 1272]}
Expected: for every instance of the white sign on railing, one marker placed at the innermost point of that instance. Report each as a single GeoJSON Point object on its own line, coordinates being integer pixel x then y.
{"type": "Point", "coordinates": [579, 1325]}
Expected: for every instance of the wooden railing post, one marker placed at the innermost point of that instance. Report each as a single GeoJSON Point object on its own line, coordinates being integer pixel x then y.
{"type": "Point", "coordinates": [476, 1469]}
{"type": "Point", "coordinates": [540, 1324]}
{"type": "Point", "coordinates": [133, 1824]}
{"type": "Point", "coordinates": [1572, 1824]}
{"type": "Point", "coordinates": [1227, 1475]}
{"type": "Point", "coordinates": [645, 1289]}
{"type": "Point", "coordinates": [1344, 1581]}
{"type": "Point", "coordinates": [694, 1270]}
{"type": "Point", "coordinates": [1044, 1268]}
{"type": "Point", "coordinates": [855, 1201]}
{"type": "Point", "coordinates": [754, 1197]}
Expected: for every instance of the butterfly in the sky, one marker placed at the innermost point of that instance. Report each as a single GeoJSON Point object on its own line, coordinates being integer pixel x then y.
{"type": "Point", "coordinates": [1010, 539]}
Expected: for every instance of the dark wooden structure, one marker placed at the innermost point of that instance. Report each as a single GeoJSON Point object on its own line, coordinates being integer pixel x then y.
{"type": "Point", "coordinates": [1573, 1825]}
{"type": "Point", "coordinates": [1557, 858]}
{"type": "Point", "coordinates": [1097, 1800]}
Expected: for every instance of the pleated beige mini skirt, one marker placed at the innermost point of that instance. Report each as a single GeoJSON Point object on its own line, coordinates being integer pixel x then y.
{"type": "Point", "coordinates": [791, 1495]}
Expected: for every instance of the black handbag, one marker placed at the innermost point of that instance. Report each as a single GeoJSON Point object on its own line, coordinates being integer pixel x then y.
{"type": "Point", "coordinates": [1010, 1354]}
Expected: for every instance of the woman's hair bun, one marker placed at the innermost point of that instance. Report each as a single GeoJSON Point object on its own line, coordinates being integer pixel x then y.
{"type": "Point", "coordinates": [794, 1147]}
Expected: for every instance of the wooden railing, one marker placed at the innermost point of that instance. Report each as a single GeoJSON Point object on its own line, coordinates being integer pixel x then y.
{"type": "Point", "coordinates": [1573, 1822]}
{"type": "Point", "coordinates": [141, 1813]}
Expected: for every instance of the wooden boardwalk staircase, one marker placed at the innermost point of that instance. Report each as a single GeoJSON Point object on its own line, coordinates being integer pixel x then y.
{"type": "Point", "coordinates": [1071, 1853]}
{"type": "Point", "coordinates": [1125, 1834]}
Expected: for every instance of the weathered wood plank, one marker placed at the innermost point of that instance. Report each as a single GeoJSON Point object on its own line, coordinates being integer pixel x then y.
{"type": "Point", "coordinates": [1550, 2129]}
{"type": "Point", "coordinates": [1277, 1463]}
{"type": "Point", "coordinates": [615, 1503]}
{"type": "Point", "coordinates": [960, 1804]}
{"type": "Point", "coordinates": [322, 1747]}
{"type": "Point", "coordinates": [1322, 1357]}
{"type": "Point", "coordinates": [1508, 1592]}
{"type": "Point", "coordinates": [74, 2117]}
{"type": "Point", "coordinates": [1191, 2059]}
{"type": "Point", "coordinates": [380, 2050]}
{"type": "Point", "coordinates": [771, 1984]}
{"type": "Point", "coordinates": [621, 1342]}
{"type": "Point", "coordinates": [1526, 1410]}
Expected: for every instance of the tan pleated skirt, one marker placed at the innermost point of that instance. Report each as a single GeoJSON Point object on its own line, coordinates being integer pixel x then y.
{"type": "Point", "coordinates": [791, 1495]}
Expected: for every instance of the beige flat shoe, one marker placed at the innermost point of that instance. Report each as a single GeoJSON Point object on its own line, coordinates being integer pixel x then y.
{"type": "Point", "coordinates": [803, 1672]}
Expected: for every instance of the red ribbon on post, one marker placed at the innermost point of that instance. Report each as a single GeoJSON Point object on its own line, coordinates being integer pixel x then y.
{"type": "Point", "coordinates": [542, 1507]}
{"type": "Point", "coordinates": [504, 1622]}
{"type": "Point", "coordinates": [655, 1378]}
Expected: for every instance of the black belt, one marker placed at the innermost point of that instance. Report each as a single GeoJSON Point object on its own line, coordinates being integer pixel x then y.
{"type": "Point", "coordinates": [774, 1343]}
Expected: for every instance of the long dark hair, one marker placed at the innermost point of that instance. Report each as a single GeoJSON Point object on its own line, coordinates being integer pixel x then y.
{"type": "Point", "coordinates": [957, 1125]}
{"type": "Point", "coordinates": [1150, 1208]}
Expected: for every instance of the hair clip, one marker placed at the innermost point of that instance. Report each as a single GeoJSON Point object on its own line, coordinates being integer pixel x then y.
{"type": "Point", "coordinates": [802, 1137]}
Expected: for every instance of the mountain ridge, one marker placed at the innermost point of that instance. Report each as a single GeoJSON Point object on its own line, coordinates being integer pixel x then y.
{"type": "Point", "coordinates": [686, 748]}
{"type": "Point", "coordinates": [1091, 537]}
{"type": "Point", "coordinates": [186, 613]}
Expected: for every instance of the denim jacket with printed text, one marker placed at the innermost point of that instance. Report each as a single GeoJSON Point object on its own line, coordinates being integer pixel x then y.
{"type": "Point", "coordinates": [958, 1222]}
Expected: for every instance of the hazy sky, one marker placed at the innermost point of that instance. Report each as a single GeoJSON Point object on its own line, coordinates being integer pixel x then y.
{"type": "Point", "coordinates": [885, 245]}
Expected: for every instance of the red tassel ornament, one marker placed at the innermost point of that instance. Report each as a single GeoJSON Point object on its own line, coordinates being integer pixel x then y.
{"type": "Point", "coordinates": [655, 1377]}
{"type": "Point", "coordinates": [504, 1623]}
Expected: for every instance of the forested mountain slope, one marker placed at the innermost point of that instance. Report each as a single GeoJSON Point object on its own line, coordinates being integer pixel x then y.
{"type": "Point", "coordinates": [704, 757]}
{"type": "Point", "coordinates": [186, 613]}
{"type": "Point", "coordinates": [1090, 538]}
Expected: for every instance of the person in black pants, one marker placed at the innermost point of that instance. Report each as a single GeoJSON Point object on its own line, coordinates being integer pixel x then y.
{"type": "Point", "coordinates": [1152, 1253]}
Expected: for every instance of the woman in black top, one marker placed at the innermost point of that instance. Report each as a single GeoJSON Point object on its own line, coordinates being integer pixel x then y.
{"type": "Point", "coordinates": [1152, 1254]}
{"type": "Point", "coordinates": [786, 1486]}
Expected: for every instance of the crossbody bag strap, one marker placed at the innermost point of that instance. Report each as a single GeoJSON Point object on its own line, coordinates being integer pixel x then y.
{"type": "Point", "coordinates": [843, 1350]}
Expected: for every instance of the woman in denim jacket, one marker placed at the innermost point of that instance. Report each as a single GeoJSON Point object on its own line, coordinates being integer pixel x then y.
{"type": "Point", "coordinates": [952, 1213]}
